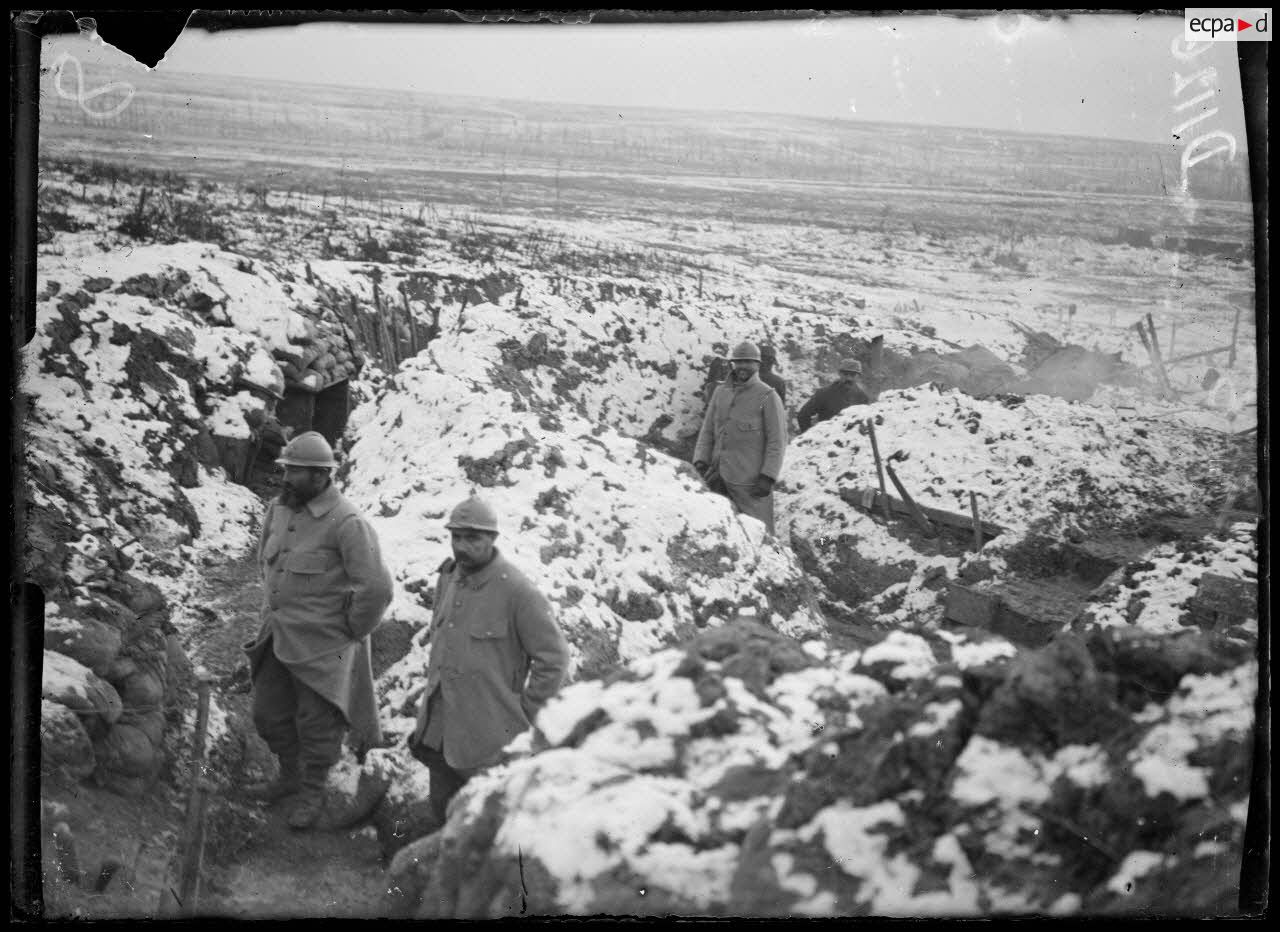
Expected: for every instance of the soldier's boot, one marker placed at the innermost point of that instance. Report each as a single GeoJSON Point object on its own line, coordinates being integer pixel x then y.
{"type": "Point", "coordinates": [310, 803]}
{"type": "Point", "coordinates": [288, 782]}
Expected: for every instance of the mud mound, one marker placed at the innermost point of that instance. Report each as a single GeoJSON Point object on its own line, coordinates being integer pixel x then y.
{"type": "Point", "coordinates": [1037, 465]}
{"type": "Point", "coordinates": [745, 776]}
{"type": "Point", "coordinates": [632, 552]}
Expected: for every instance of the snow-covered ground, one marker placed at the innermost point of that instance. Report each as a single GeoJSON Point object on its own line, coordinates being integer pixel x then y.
{"type": "Point", "coordinates": [710, 773]}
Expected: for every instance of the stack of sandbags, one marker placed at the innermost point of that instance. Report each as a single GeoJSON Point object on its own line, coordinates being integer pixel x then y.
{"type": "Point", "coordinates": [324, 359]}
{"type": "Point", "coordinates": [106, 682]}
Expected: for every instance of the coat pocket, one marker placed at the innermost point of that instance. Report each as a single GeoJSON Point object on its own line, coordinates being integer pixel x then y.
{"type": "Point", "coordinates": [746, 426]}
{"type": "Point", "coordinates": [307, 567]}
{"type": "Point", "coordinates": [308, 562]}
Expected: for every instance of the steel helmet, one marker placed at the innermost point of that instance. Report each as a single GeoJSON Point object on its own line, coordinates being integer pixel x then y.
{"type": "Point", "coordinates": [307, 449]}
{"type": "Point", "coordinates": [473, 514]}
{"type": "Point", "coordinates": [747, 351]}
{"type": "Point", "coordinates": [850, 365]}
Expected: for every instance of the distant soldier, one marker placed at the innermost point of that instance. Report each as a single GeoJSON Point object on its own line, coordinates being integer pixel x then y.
{"type": "Point", "coordinates": [768, 359]}
{"type": "Point", "coordinates": [743, 437]}
{"type": "Point", "coordinates": [717, 372]}
{"type": "Point", "coordinates": [497, 656]}
{"type": "Point", "coordinates": [326, 588]}
{"type": "Point", "coordinates": [827, 402]}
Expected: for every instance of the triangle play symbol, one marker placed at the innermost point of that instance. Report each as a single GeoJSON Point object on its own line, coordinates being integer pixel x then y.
{"type": "Point", "coordinates": [1241, 25]}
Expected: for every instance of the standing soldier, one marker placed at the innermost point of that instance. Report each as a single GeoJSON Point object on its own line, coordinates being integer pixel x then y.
{"type": "Point", "coordinates": [743, 437]}
{"type": "Point", "coordinates": [827, 402]}
{"type": "Point", "coordinates": [497, 656]}
{"type": "Point", "coordinates": [768, 359]}
{"type": "Point", "coordinates": [325, 590]}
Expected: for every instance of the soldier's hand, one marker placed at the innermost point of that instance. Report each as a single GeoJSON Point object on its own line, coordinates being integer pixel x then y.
{"type": "Point", "coordinates": [701, 467]}
{"type": "Point", "coordinates": [762, 486]}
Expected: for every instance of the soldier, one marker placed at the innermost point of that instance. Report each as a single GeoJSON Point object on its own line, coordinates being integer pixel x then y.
{"type": "Point", "coordinates": [743, 437]}
{"type": "Point", "coordinates": [326, 588]}
{"type": "Point", "coordinates": [497, 656]}
{"type": "Point", "coordinates": [768, 359]}
{"type": "Point", "coordinates": [827, 402]}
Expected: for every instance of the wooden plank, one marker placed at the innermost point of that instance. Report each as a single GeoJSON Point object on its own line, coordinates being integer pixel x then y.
{"type": "Point", "coordinates": [1235, 333]}
{"type": "Point", "coordinates": [868, 500]}
{"type": "Point", "coordinates": [193, 832]}
{"type": "Point", "coordinates": [875, 451]}
{"type": "Point", "coordinates": [926, 528]}
{"type": "Point", "coordinates": [1186, 357]}
{"type": "Point", "coordinates": [977, 523]}
{"type": "Point", "coordinates": [1159, 360]}
{"type": "Point", "coordinates": [409, 321]}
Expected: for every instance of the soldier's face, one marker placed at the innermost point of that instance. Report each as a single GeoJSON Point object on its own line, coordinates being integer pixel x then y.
{"type": "Point", "coordinates": [300, 484]}
{"type": "Point", "coordinates": [744, 369]}
{"type": "Point", "coordinates": [472, 549]}
{"type": "Point", "coordinates": [849, 378]}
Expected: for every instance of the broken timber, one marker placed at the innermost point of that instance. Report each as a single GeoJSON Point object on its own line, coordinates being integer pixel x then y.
{"type": "Point", "coordinates": [871, 501]}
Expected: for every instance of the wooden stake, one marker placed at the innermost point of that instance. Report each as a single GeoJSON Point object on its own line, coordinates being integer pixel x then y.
{"type": "Point", "coordinates": [875, 451]}
{"type": "Point", "coordinates": [977, 523]}
{"type": "Point", "coordinates": [1235, 332]}
{"type": "Point", "coordinates": [193, 833]}
{"type": "Point", "coordinates": [413, 330]}
{"type": "Point", "coordinates": [1173, 335]}
{"type": "Point", "coordinates": [912, 508]}
{"type": "Point", "coordinates": [1157, 358]}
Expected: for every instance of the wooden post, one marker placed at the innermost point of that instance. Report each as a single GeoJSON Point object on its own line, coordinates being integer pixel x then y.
{"type": "Point", "coordinates": [193, 833]}
{"type": "Point", "coordinates": [977, 523]}
{"type": "Point", "coordinates": [408, 319]}
{"type": "Point", "coordinates": [357, 324]}
{"type": "Point", "coordinates": [875, 451]}
{"type": "Point", "coordinates": [1173, 335]}
{"type": "Point", "coordinates": [913, 509]}
{"type": "Point", "coordinates": [391, 360]}
{"type": "Point", "coordinates": [699, 283]}
{"type": "Point", "coordinates": [1235, 332]}
{"type": "Point", "coordinates": [1157, 358]}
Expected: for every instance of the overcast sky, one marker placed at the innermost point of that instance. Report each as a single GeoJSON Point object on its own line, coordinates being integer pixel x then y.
{"type": "Point", "coordinates": [1100, 74]}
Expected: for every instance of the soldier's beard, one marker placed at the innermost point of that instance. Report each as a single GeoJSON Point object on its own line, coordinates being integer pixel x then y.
{"type": "Point", "coordinates": [294, 497]}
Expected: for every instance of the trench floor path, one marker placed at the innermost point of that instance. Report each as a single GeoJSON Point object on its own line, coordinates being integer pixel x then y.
{"type": "Point", "coordinates": [280, 873]}
{"type": "Point", "coordinates": [254, 865]}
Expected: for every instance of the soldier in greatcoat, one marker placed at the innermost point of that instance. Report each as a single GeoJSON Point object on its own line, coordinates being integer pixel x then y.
{"type": "Point", "coordinates": [325, 590]}
{"type": "Point", "coordinates": [497, 656]}
{"type": "Point", "coordinates": [743, 437]}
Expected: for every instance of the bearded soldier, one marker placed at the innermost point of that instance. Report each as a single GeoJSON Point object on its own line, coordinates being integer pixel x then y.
{"type": "Point", "coordinates": [743, 437]}
{"type": "Point", "coordinates": [326, 588]}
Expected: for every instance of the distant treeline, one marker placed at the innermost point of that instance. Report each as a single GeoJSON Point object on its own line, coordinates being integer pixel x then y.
{"type": "Point", "coordinates": [316, 120]}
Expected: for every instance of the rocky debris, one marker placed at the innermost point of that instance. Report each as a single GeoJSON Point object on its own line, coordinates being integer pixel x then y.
{"type": "Point", "coordinates": [743, 775]}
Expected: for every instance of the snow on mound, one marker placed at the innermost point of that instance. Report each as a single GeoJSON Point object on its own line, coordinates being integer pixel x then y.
{"type": "Point", "coordinates": [632, 552]}
{"type": "Point", "coordinates": [128, 377]}
{"type": "Point", "coordinates": [1156, 593]}
{"type": "Point", "coordinates": [741, 775]}
{"type": "Point", "coordinates": [1040, 465]}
